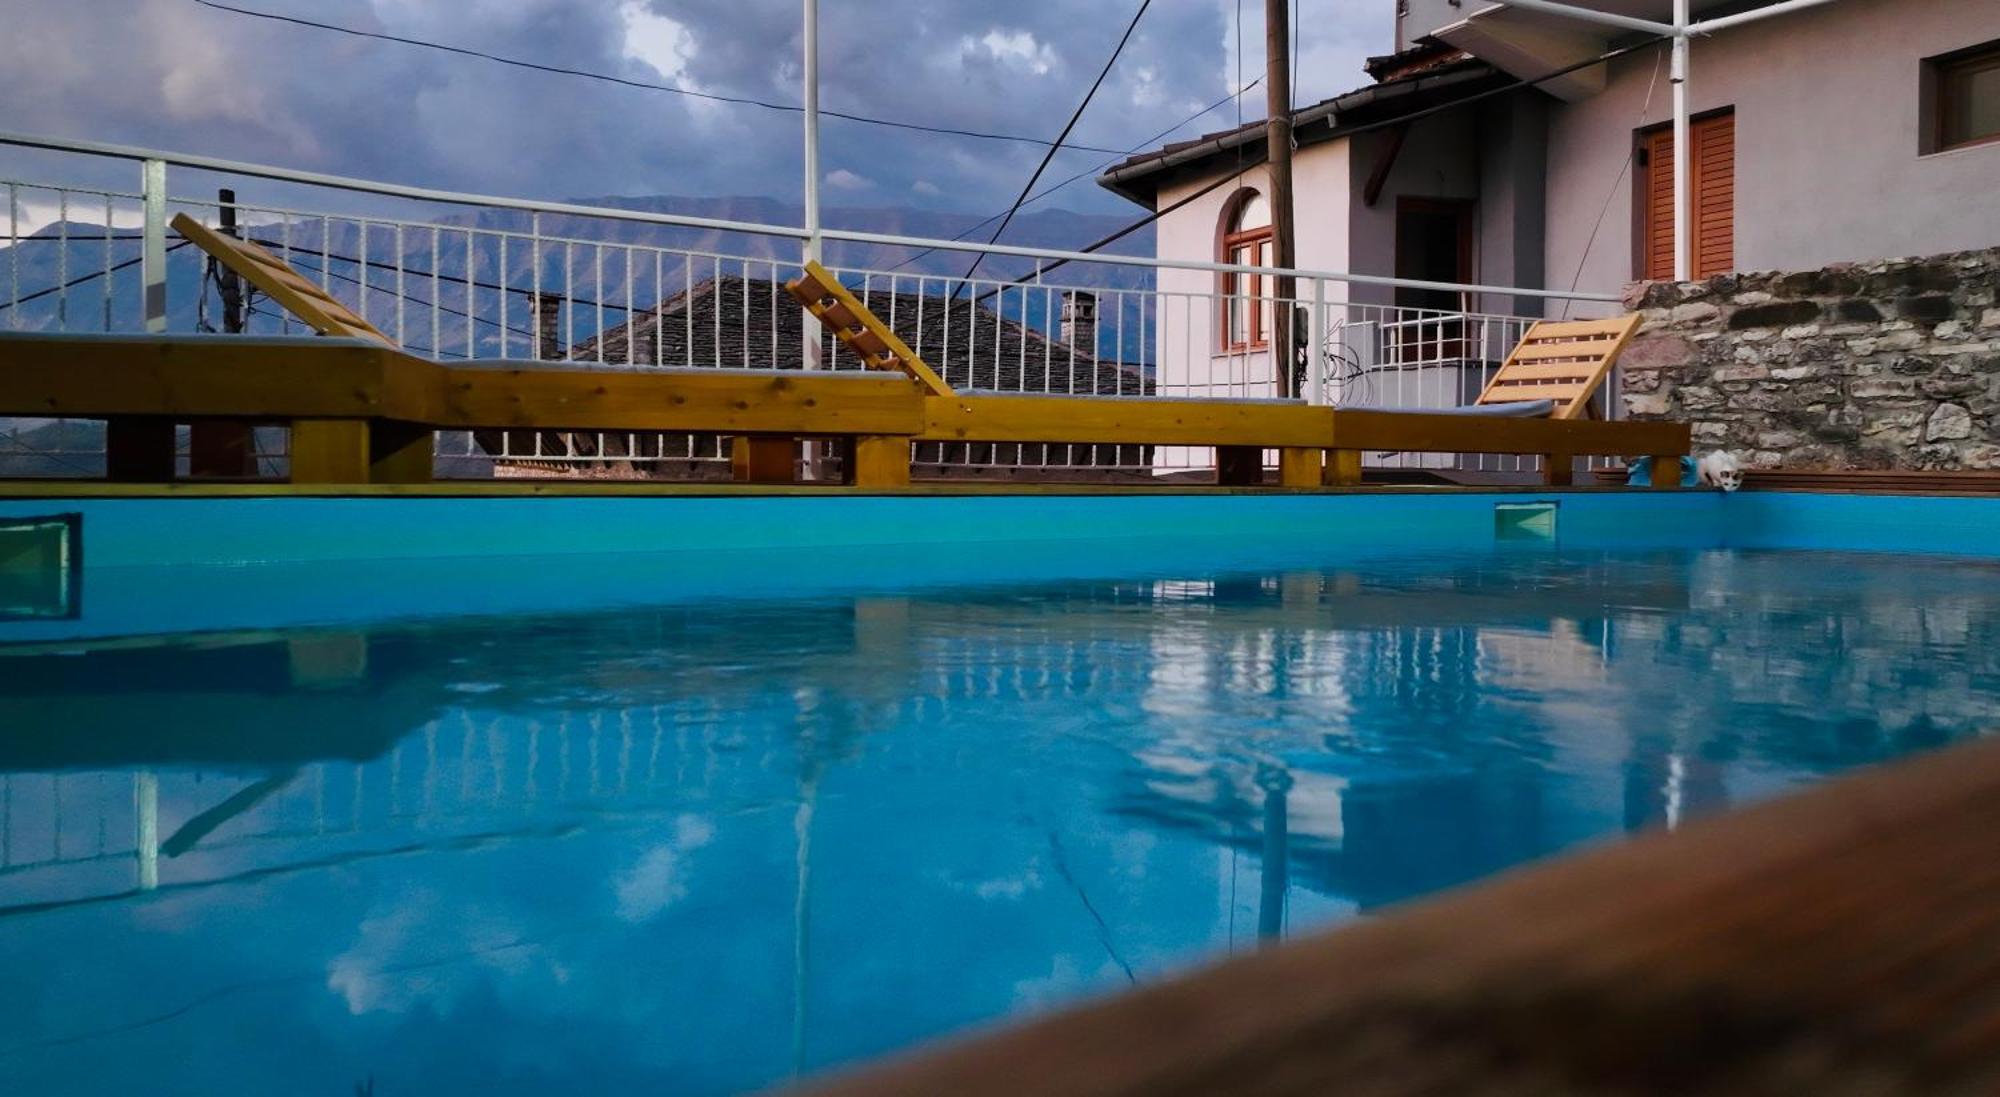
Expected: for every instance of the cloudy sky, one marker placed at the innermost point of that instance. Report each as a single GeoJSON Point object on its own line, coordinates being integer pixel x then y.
{"type": "Point", "coordinates": [177, 75]}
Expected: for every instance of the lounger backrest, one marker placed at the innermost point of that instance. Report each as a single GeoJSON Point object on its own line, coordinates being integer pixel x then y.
{"type": "Point", "coordinates": [859, 329]}
{"type": "Point", "coordinates": [319, 309]}
{"type": "Point", "coordinates": [1563, 361]}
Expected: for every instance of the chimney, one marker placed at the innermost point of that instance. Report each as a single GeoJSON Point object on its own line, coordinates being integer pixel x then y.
{"type": "Point", "coordinates": [547, 310]}
{"type": "Point", "coordinates": [1079, 321]}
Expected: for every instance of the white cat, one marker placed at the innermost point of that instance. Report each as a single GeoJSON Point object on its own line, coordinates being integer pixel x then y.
{"type": "Point", "coordinates": [1720, 470]}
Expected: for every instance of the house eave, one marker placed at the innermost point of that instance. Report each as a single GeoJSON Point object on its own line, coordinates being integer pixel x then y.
{"type": "Point", "coordinates": [1140, 180]}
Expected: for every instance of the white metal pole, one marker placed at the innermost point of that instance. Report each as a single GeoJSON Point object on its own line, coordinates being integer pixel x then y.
{"type": "Point", "coordinates": [1786, 7]}
{"type": "Point", "coordinates": [1592, 15]}
{"type": "Point", "coordinates": [153, 246]}
{"type": "Point", "coordinates": [811, 67]}
{"type": "Point", "coordinates": [814, 244]}
{"type": "Point", "coordinates": [1683, 152]}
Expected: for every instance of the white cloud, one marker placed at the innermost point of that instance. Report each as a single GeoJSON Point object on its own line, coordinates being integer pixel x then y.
{"type": "Point", "coordinates": [1015, 47]}
{"type": "Point", "coordinates": [658, 41]}
{"type": "Point", "coordinates": [842, 179]}
{"type": "Point", "coordinates": [926, 188]}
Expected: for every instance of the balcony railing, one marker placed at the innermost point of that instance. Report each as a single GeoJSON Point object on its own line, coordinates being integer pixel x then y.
{"type": "Point", "coordinates": [457, 277]}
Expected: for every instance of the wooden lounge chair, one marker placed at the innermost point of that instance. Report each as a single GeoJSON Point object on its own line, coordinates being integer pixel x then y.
{"type": "Point", "coordinates": [1562, 363]}
{"type": "Point", "coordinates": [1535, 404]}
{"type": "Point", "coordinates": [762, 413]}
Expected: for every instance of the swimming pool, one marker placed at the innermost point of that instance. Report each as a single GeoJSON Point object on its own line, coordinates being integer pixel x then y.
{"type": "Point", "coordinates": [794, 794]}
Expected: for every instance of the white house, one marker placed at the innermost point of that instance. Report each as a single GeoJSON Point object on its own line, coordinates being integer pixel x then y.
{"type": "Point", "coordinates": [1854, 130]}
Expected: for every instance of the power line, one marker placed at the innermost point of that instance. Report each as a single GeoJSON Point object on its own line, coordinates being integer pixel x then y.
{"type": "Point", "coordinates": [1075, 117]}
{"type": "Point", "coordinates": [1370, 127]}
{"type": "Point", "coordinates": [643, 85]}
{"type": "Point", "coordinates": [439, 305]}
{"type": "Point", "coordinates": [1088, 172]}
{"type": "Point", "coordinates": [75, 282]}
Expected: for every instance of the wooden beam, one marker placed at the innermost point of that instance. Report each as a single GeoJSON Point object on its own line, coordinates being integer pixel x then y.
{"type": "Point", "coordinates": [330, 451]}
{"type": "Point", "coordinates": [879, 461]}
{"type": "Point", "coordinates": [763, 459]}
{"type": "Point", "coordinates": [1415, 432]}
{"type": "Point", "coordinates": [1109, 420]}
{"type": "Point", "coordinates": [401, 453]}
{"type": "Point", "coordinates": [233, 377]}
{"type": "Point", "coordinates": [1343, 468]}
{"type": "Point", "coordinates": [1300, 467]}
{"type": "Point", "coordinates": [792, 402]}
{"type": "Point", "coordinates": [820, 291]}
{"type": "Point", "coordinates": [1385, 162]}
{"type": "Point", "coordinates": [1667, 471]}
{"type": "Point", "coordinates": [1841, 940]}
{"type": "Point", "coordinates": [298, 294]}
{"type": "Point", "coordinates": [272, 381]}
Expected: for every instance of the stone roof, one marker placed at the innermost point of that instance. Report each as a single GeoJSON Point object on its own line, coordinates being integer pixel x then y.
{"type": "Point", "coordinates": [754, 323]}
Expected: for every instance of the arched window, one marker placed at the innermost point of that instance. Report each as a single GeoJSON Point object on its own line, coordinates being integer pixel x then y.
{"type": "Point", "coordinates": [1246, 241]}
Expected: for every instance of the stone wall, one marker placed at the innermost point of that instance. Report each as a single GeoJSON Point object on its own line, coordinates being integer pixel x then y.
{"type": "Point", "coordinates": [1886, 365]}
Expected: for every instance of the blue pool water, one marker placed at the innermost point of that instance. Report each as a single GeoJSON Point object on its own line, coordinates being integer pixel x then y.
{"type": "Point", "coordinates": [709, 833]}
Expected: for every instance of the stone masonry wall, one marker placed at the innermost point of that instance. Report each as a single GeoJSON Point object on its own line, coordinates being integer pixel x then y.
{"type": "Point", "coordinates": [1887, 365]}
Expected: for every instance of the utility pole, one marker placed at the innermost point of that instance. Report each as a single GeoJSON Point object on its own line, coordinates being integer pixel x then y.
{"type": "Point", "coordinates": [218, 448]}
{"type": "Point", "coordinates": [1278, 140]}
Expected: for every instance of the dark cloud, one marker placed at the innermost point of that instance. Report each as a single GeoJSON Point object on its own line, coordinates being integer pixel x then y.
{"type": "Point", "coordinates": [174, 74]}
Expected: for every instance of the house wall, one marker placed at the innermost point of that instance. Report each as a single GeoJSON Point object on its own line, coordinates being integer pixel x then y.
{"type": "Point", "coordinates": [1827, 129]}
{"type": "Point", "coordinates": [1187, 346]}
{"type": "Point", "coordinates": [1492, 154]}
{"type": "Point", "coordinates": [1186, 342]}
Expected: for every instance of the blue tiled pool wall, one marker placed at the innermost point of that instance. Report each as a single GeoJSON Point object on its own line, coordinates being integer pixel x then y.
{"type": "Point", "coordinates": [181, 531]}
{"type": "Point", "coordinates": [194, 564]}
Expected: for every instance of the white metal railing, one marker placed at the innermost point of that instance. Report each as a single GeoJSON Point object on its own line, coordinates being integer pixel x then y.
{"type": "Point", "coordinates": [492, 277]}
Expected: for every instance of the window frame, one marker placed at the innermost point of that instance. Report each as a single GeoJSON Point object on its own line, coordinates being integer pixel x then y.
{"type": "Point", "coordinates": [1939, 71]}
{"type": "Point", "coordinates": [1259, 242]}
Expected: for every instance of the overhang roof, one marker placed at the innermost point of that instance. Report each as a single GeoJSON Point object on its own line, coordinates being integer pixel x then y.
{"type": "Point", "coordinates": [1140, 177]}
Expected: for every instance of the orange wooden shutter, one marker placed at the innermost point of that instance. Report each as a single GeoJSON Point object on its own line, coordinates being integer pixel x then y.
{"type": "Point", "coordinates": [1715, 195]}
{"type": "Point", "coordinates": [1714, 200]}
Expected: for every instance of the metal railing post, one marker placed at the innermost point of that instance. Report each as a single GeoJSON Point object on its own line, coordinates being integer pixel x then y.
{"type": "Point", "coordinates": [1316, 334]}
{"type": "Point", "coordinates": [153, 249]}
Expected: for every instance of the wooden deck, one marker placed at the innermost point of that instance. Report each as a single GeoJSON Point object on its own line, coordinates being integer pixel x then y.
{"type": "Point", "coordinates": [1842, 941]}
{"type": "Point", "coordinates": [364, 413]}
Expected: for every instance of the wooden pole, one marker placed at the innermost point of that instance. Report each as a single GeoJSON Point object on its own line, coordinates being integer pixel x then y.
{"type": "Point", "coordinates": [1278, 139]}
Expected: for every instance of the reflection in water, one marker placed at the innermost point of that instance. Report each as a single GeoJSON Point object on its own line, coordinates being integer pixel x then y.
{"type": "Point", "coordinates": [708, 847]}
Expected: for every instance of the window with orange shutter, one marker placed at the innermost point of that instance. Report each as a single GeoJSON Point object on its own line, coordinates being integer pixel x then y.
{"type": "Point", "coordinates": [1714, 156]}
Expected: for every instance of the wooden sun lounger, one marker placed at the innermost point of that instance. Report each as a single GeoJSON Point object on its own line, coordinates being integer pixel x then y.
{"type": "Point", "coordinates": [763, 412]}
{"type": "Point", "coordinates": [1560, 364]}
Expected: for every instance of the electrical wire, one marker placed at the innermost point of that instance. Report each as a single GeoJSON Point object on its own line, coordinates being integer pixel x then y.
{"type": "Point", "coordinates": [643, 85]}
{"type": "Point", "coordinates": [75, 282]}
{"type": "Point", "coordinates": [1645, 112]}
{"type": "Point", "coordinates": [1089, 172]}
{"type": "Point", "coordinates": [1075, 117]}
{"type": "Point", "coordinates": [1370, 127]}
{"type": "Point", "coordinates": [439, 305]}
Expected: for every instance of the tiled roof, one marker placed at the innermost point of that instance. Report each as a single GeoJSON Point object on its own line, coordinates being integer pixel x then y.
{"type": "Point", "coordinates": [754, 323]}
